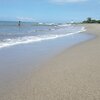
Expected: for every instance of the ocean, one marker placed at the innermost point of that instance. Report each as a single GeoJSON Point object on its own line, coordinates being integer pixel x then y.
{"type": "Point", "coordinates": [12, 34]}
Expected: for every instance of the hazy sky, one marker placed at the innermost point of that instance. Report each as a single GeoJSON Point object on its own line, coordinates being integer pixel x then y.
{"type": "Point", "coordinates": [49, 10]}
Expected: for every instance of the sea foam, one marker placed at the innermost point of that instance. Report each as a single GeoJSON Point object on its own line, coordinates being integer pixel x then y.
{"type": "Point", "coordinates": [38, 38]}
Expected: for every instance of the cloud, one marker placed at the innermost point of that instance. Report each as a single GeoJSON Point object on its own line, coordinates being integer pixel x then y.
{"type": "Point", "coordinates": [25, 18]}
{"type": "Point", "coordinates": [67, 1]}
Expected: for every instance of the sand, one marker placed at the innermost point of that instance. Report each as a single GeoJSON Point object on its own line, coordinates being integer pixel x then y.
{"type": "Point", "coordinates": [72, 75]}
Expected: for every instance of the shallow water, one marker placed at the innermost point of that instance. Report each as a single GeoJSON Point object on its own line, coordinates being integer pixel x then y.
{"type": "Point", "coordinates": [12, 34]}
{"type": "Point", "coordinates": [21, 59]}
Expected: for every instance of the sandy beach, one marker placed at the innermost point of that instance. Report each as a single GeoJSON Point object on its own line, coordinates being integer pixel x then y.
{"type": "Point", "coordinates": [72, 75]}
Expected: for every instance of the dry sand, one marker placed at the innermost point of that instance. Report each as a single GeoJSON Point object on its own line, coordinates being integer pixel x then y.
{"type": "Point", "coordinates": [72, 75]}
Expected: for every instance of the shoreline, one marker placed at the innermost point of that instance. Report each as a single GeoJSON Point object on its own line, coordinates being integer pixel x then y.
{"type": "Point", "coordinates": [74, 74]}
{"type": "Point", "coordinates": [35, 39]}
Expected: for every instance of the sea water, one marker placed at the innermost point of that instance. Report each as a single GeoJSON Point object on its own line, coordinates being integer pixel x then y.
{"type": "Point", "coordinates": [25, 47]}
{"type": "Point", "coordinates": [12, 34]}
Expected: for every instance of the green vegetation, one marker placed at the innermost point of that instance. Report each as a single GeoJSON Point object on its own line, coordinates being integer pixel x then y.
{"type": "Point", "coordinates": [90, 20]}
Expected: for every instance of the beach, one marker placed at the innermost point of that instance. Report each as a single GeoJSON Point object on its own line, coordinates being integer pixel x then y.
{"type": "Point", "coordinates": [74, 74]}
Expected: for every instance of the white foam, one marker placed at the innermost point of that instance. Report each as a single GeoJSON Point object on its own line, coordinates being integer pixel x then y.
{"type": "Point", "coordinates": [64, 25]}
{"type": "Point", "coordinates": [29, 39]}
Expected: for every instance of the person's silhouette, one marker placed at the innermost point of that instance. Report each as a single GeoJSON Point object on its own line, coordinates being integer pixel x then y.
{"type": "Point", "coordinates": [19, 23]}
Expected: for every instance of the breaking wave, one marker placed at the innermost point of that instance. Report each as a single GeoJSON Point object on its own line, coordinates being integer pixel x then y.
{"type": "Point", "coordinates": [38, 38]}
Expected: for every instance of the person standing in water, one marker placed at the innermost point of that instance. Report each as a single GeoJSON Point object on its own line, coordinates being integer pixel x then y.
{"type": "Point", "coordinates": [19, 23]}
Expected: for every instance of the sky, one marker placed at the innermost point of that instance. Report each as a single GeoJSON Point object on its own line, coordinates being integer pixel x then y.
{"type": "Point", "coordinates": [49, 10]}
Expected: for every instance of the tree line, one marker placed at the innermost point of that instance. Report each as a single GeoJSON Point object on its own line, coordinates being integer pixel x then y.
{"type": "Point", "coordinates": [90, 20]}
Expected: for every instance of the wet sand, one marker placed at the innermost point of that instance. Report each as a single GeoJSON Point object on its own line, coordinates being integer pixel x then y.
{"type": "Point", "coordinates": [72, 75]}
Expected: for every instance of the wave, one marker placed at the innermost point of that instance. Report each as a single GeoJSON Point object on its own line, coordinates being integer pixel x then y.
{"type": "Point", "coordinates": [29, 39]}
{"type": "Point", "coordinates": [64, 25]}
